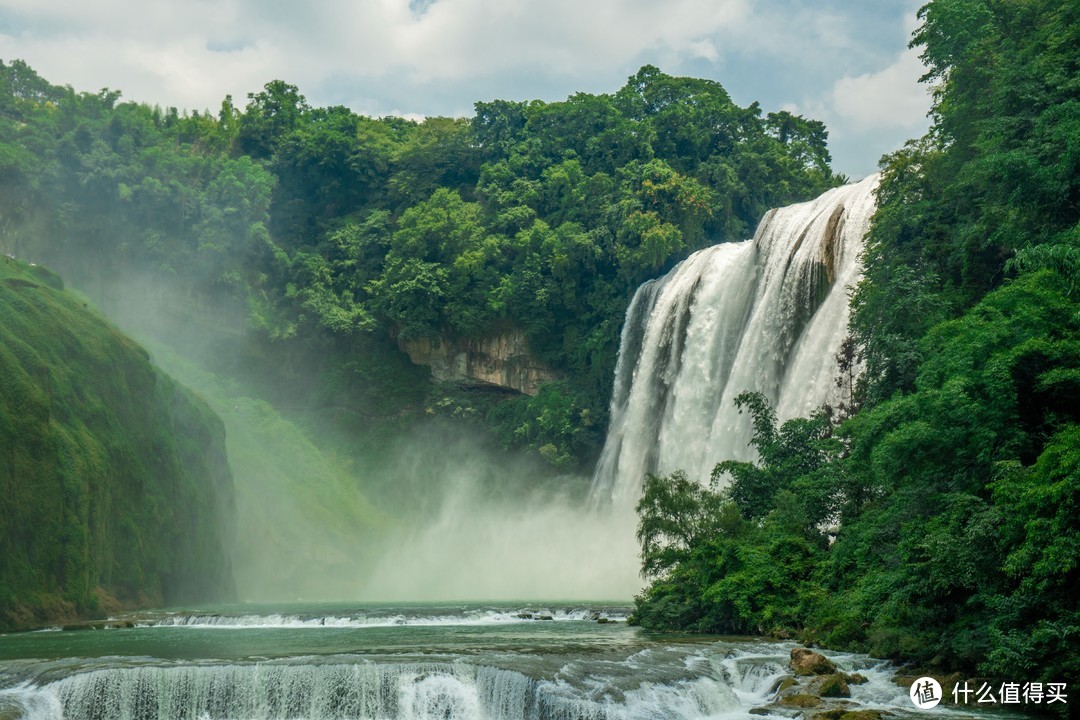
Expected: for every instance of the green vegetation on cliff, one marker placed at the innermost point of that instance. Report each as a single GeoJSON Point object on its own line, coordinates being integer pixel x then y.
{"type": "Point", "coordinates": [114, 485]}
{"type": "Point", "coordinates": [953, 489]}
{"type": "Point", "coordinates": [325, 237]}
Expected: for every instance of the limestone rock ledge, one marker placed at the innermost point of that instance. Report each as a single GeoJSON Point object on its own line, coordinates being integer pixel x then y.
{"type": "Point", "coordinates": [501, 360]}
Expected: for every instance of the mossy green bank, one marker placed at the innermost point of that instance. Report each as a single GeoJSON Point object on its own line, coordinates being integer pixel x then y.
{"type": "Point", "coordinates": [114, 484]}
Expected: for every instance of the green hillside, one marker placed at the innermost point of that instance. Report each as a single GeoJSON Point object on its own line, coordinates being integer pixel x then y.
{"type": "Point", "coordinates": [114, 485]}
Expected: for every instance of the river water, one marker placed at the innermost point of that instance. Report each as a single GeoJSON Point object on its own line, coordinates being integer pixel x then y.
{"type": "Point", "coordinates": [420, 662]}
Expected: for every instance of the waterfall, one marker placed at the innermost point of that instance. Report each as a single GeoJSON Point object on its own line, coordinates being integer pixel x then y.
{"type": "Point", "coordinates": [361, 689]}
{"type": "Point", "coordinates": [768, 314]}
{"type": "Point", "coordinates": [627, 680]}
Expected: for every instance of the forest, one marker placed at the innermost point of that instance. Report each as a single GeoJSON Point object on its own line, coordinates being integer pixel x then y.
{"type": "Point", "coordinates": [931, 516]}
{"type": "Point", "coordinates": [335, 237]}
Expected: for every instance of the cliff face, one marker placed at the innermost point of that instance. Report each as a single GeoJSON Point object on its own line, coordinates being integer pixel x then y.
{"type": "Point", "coordinates": [114, 483]}
{"type": "Point", "coordinates": [501, 360]}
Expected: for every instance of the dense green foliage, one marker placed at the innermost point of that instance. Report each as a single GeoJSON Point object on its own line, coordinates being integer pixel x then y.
{"type": "Point", "coordinates": [951, 487]}
{"type": "Point", "coordinates": [743, 560]}
{"type": "Point", "coordinates": [114, 484]}
{"type": "Point", "coordinates": [334, 235]}
{"type": "Point", "coordinates": [992, 190]}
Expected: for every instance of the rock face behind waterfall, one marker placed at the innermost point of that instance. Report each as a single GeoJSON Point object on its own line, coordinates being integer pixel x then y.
{"type": "Point", "coordinates": [768, 314]}
{"type": "Point", "coordinates": [500, 360]}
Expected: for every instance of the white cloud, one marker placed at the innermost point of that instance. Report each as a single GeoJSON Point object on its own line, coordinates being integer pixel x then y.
{"type": "Point", "coordinates": [873, 112]}
{"type": "Point", "coordinates": [891, 98]}
{"type": "Point", "coordinates": [439, 56]}
{"type": "Point", "coordinates": [191, 53]}
{"type": "Point", "coordinates": [809, 33]}
{"type": "Point", "coordinates": [704, 49]}
{"type": "Point", "coordinates": [454, 39]}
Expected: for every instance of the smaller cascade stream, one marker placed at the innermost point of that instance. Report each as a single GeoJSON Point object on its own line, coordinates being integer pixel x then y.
{"type": "Point", "coordinates": [768, 315]}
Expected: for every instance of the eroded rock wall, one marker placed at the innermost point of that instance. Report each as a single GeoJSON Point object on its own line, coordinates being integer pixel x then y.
{"type": "Point", "coordinates": [501, 360]}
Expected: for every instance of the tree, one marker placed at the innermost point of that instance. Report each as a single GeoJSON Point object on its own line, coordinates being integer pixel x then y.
{"type": "Point", "coordinates": [271, 114]}
{"type": "Point", "coordinates": [793, 457]}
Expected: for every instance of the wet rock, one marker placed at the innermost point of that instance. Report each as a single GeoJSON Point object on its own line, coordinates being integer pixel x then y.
{"type": "Point", "coordinates": [808, 662]}
{"type": "Point", "coordinates": [85, 625]}
{"type": "Point", "coordinates": [604, 620]}
{"type": "Point", "coordinates": [832, 686]}
{"type": "Point", "coordinates": [801, 700]}
{"type": "Point", "coordinates": [784, 682]}
{"type": "Point", "coordinates": [864, 715]}
{"type": "Point", "coordinates": [753, 711]}
{"type": "Point", "coordinates": [833, 714]}
{"type": "Point", "coordinates": [544, 617]}
{"type": "Point", "coordinates": [843, 713]}
{"type": "Point", "coordinates": [855, 678]}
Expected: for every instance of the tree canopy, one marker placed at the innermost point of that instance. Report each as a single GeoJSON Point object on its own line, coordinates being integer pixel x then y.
{"type": "Point", "coordinates": [338, 234]}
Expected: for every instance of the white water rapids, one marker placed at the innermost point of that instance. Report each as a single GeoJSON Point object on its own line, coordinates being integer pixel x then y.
{"type": "Point", "coordinates": [768, 315]}
{"type": "Point", "coordinates": [707, 681]}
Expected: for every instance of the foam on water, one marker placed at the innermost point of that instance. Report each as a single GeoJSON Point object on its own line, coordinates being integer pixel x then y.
{"type": "Point", "coordinates": [674, 686]}
{"type": "Point", "coordinates": [366, 620]}
{"type": "Point", "coordinates": [699, 680]}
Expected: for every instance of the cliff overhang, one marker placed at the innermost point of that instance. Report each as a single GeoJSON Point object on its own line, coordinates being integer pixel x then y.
{"type": "Point", "coordinates": [501, 360]}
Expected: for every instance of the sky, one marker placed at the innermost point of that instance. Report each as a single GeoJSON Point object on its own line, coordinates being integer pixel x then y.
{"type": "Point", "coordinates": [845, 62]}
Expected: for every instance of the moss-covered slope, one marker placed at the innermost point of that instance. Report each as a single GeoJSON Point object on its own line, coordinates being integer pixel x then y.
{"type": "Point", "coordinates": [114, 483]}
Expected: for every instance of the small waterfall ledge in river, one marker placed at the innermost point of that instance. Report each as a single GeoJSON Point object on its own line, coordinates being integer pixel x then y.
{"type": "Point", "coordinates": [703, 681]}
{"type": "Point", "coordinates": [768, 314]}
{"type": "Point", "coordinates": [361, 690]}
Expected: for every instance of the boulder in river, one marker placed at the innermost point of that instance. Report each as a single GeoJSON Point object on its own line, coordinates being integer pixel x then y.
{"type": "Point", "coordinates": [832, 686]}
{"type": "Point", "coordinates": [807, 662]}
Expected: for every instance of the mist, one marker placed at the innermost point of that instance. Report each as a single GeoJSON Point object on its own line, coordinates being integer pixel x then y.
{"type": "Point", "coordinates": [438, 512]}
{"type": "Point", "coordinates": [488, 527]}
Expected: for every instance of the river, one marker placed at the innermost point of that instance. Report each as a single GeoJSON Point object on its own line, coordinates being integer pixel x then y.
{"type": "Point", "coordinates": [419, 662]}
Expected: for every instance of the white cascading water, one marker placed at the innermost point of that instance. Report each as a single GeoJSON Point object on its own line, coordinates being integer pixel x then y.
{"type": "Point", "coordinates": [361, 689]}
{"type": "Point", "coordinates": [719, 681]}
{"type": "Point", "coordinates": [768, 315]}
